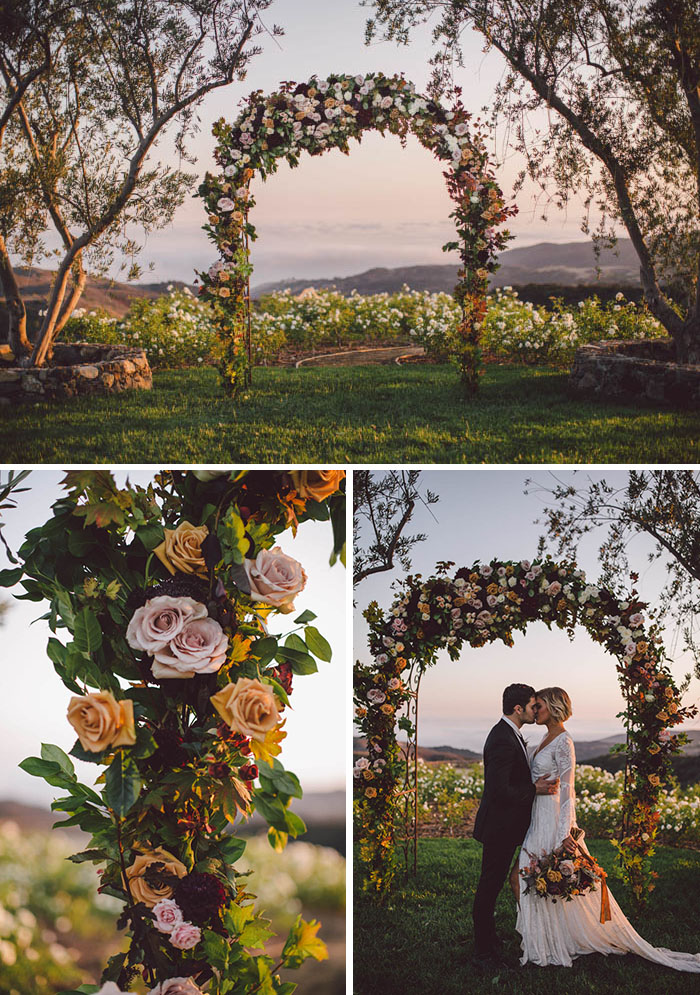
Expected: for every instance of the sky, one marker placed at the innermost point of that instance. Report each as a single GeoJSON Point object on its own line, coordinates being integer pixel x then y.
{"type": "Point", "coordinates": [34, 701]}
{"type": "Point", "coordinates": [337, 215]}
{"type": "Point", "coordinates": [481, 515]}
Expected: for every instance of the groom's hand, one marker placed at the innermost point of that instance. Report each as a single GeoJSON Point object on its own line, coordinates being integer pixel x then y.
{"type": "Point", "coordinates": [543, 786]}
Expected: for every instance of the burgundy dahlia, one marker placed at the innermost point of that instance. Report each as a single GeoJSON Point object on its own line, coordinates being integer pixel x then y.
{"type": "Point", "coordinates": [200, 896]}
{"type": "Point", "coordinates": [283, 674]}
{"type": "Point", "coordinates": [248, 772]}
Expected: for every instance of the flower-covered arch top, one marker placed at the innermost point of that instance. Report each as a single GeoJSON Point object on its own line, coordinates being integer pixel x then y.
{"type": "Point", "coordinates": [481, 604]}
{"type": "Point", "coordinates": [326, 113]}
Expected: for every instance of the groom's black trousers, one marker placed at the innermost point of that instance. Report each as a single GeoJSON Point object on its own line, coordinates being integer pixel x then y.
{"type": "Point", "coordinates": [496, 858]}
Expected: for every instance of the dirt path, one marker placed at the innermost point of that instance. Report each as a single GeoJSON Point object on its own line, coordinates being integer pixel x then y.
{"type": "Point", "coordinates": [373, 355]}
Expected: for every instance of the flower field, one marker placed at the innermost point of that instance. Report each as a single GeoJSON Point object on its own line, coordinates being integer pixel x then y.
{"type": "Point", "coordinates": [180, 330]}
{"type": "Point", "coordinates": [448, 794]}
{"type": "Point", "coordinates": [56, 929]}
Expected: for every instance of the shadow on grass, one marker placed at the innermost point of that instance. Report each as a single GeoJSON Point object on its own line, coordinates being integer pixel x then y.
{"type": "Point", "coordinates": [362, 414]}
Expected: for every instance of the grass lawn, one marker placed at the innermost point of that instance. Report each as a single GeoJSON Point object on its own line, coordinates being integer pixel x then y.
{"type": "Point", "coordinates": [381, 414]}
{"type": "Point", "coordinates": [421, 939]}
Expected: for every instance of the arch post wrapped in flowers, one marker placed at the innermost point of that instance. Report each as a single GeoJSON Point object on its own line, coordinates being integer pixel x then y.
{"type": "Point", "coordinates": [178, 695]}
{"type": "Point", "coordinates": [323, 114]}
{"type": "Point", "coordinates": [478, 605]}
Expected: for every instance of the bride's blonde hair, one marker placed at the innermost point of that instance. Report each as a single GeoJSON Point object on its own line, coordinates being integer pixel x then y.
{"type": "Point", "coordinates": [557, 701]}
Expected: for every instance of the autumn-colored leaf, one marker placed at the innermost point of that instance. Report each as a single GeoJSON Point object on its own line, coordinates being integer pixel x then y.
{"type": "Point", "coordinates": [303, 942]}
{"type": "Point", "coordinates": [270, 746]}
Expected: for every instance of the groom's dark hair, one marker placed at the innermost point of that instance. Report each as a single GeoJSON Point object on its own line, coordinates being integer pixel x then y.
{"type": "Point", "coordinates": [516, 694]}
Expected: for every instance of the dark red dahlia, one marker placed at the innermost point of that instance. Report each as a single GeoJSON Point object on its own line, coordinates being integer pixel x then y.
{"type": "Point", "coordinates": [200, 896]}
{"type": "Point", "coordinates": [283, 675]}
{"type": "Point", "coordinates": [248, 772]}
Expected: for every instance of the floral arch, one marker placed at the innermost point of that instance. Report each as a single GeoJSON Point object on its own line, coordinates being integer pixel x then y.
{"type": "Point", "coordinates": [475, 606]}
{"type": "Point", "coordinates": [322, 114]}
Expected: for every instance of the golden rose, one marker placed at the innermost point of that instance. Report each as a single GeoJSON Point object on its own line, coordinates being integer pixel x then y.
{"type": "Point", "coordinates": [654, 779]}
{"type": "Point", "coordinates": [370, 792]}
{"type": "Point", "coordinates": [510, 570]}
{"type": "Point", "coordinates": [248, 707]}
{"type": "Point", "coordinates": [554, 875]}
{"type": "Point", "coordinates": [368, 775]}
{"type": "Point", "coordinates": [182, 548]}
{"type": "Point", "coordinates": [387, 709]}
{"type": "Point", "coordinates": [101, 721]}
{"type": "Point", "coordinates": [316, 484]}
{"type": "Point", "coordinates": [150, 893]}
{"type": "Point", "coordinates": [662, 716]}
{"type": "Point", "coordinates": [654, 749]}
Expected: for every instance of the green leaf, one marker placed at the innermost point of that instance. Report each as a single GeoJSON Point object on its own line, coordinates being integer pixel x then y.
{"type": "Point", "coordinates": [272, 810]}
{"type": "Point", "coordinates": [236, 916]}
{"type": "Point", "coordinates": [65, 609]}
{"type": "Point", "coordinates": [295, 642]}
{"type": "Point", "coordinates": [295, 824]}
{"type": "Point", "coordinates": [306, 616]}
{"type": "Point", "coordinates": [114, 967]}
{"type": "Point", "coordinates": [283, 781]}
{"type": "Point", "coordinates": [317, 644]}
{"type": "Point", "coordinates": [256, 933]}
{"type": "Point", "coordinates": [150, 536]}
{"type": "Point", "coordinates": [301, 663]}
{"type": "Point", "coordinates": [49, 770]}
{"type": "Point", "coordinates": [216, 949]}
{"type": "Point", "coordinates": [85, 855]}
{"type": "Point", "coordinates": [231, 849]}
{"type": "Point", "coordinates": [122, 784]}
{"type": "Point", "coordinates": [56, 755]}
{"type": "Point", "coordinates": [87, 756]}
{"type": "Point", "coordinates": [81, 543]}
{"type": "Point", "coordinates": [87, 635]}
{"type": "Point", "coordinates": [264, 650]}
{"type": "Point", "coordinates": [8, 578]}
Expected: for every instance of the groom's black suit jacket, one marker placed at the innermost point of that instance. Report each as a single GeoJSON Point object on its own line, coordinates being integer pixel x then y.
{"type": "Point", "coordinates": [506, 805]}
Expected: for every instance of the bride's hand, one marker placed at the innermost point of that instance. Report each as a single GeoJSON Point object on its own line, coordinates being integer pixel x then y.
{"type": "Point", "coordinates": [569, 844]}
{"type": "Point", "coordinates": [543, 786]}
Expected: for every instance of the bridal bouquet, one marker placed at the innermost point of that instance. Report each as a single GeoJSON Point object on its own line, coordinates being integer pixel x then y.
{"type": "Point", "coordinates": [561, 875]}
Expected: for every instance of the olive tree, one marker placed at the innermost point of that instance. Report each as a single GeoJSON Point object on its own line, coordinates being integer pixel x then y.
{"type": "Point", "coordinates": [88, 88]}
{"type": "Point", "coordinates": [618, 82]}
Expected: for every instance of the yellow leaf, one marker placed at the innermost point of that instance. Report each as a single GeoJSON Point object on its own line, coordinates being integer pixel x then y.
{"type": "Point", "coordinates": [303, 942]}
{"type": "Point", "coordinates": [240, 649]}
{"type": "Point", "coordinates": [270, 746]}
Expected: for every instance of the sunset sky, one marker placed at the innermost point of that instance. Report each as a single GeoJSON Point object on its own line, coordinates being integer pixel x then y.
{"type": "Point", "coordinates": [336, 215]}
{"type": "Point", "coordinates": [318, 700]}
{"type": "Point", "coordinates": [484, 514]}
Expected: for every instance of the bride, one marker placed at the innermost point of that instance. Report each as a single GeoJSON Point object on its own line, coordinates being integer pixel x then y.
{"type": "Point", "coordinates": [556, 933]}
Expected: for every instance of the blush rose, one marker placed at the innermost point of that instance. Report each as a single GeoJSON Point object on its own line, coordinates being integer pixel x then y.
{"type": "Point", "coordinates": [275, 579]}
{"type": "Point", "coordinates": [185, 936]}
{"type": "Point", "coordinates": [161, 619]}
{"type": "Point", "coordinates": [199, 648]}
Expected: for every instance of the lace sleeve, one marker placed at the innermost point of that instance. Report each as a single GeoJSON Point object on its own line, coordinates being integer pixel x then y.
{"type": "Point", "coordinates": [566, 771]}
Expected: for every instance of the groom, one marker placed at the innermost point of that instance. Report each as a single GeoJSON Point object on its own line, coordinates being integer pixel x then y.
{"type": "Point", "coordinates": [504, 813]}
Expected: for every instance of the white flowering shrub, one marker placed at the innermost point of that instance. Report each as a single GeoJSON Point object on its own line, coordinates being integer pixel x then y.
{"type": "Point", "coordinates": [304, 876]}
{"type": "Point", "coordinates": [49, 911]}
{"type": "Point", "coordinates": [181, 330]}
{"type": "Point", "coordinates": [443, 788]}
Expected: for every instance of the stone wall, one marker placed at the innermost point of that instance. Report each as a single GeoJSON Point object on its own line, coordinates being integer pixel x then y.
{"type": "Point", "coordinates": [634, 371]}
{"type": "Point", "coordinates": [76, 369]}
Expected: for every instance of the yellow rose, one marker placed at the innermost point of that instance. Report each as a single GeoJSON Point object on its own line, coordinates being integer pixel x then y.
{"type": "Point", "coordinates": [370, 792]}
{"type": "Point", "coordinates": [248, 707]}
{"type": "Point", "coordinates": [143, 891]}
{"type": "Point", "coordinates": [101, 721]}
{"type": "Point", "coordinates": [554, 875]}
{"type": "Point", "coordinates": [316, 484]}
{"type": "Point", "coordinates": [182, 549]}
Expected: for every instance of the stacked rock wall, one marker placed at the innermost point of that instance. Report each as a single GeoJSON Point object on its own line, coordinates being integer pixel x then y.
{"type": "Point", "coordinates": [634, 371]}
{"type": "Point", "coordinates": [77, 369]}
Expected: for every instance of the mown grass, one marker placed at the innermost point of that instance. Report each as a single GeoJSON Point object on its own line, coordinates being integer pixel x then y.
{"type": "Point", "coordinates": [382, 414]}
{"type": "Point", "coordinates": [420, 940]}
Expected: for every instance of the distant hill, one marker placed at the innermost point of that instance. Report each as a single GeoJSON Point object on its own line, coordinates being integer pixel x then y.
{"type": "Point", "coordinates": [111, 296]}
{"type": "Point", "coordinates": [565, 264]}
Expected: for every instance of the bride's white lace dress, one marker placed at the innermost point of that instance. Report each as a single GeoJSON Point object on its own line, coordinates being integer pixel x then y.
{"type": "Point", "coordinates": [556, 933]}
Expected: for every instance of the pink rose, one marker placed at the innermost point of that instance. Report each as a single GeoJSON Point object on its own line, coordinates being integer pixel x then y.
{"type": "Point", "coordinates": [185, 936]}
{"type": "Point", "coordinates": [168, 915]}
{"type": "Point", "coordinates": [199, 648]}
{"type": "Point", "coordinates": [161, 619]}
{"type": "Point", "coordinates": [275, 578]}
{"type": "Point", "coordinates": [553, 589]}
{"type": "Point", "coordinates": [176, 986]}
{"type": "Point", "coordinates": [375, 696]}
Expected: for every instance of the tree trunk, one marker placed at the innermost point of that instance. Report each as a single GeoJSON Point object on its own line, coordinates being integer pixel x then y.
{"type": "Point", "coordinates": [687, 342]}
{"type": "Point", "coordinates": [16, 312]}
